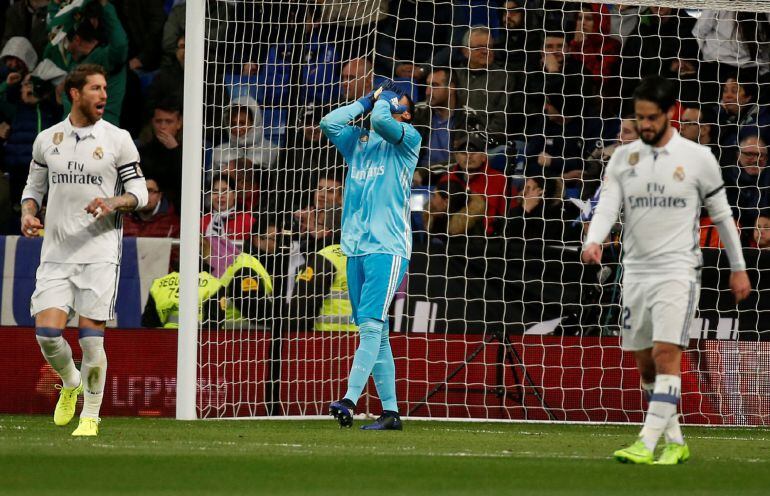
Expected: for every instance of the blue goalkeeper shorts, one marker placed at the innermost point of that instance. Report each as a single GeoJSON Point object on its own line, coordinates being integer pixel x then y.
{"type": "Point", "coordinates": [372, 282]}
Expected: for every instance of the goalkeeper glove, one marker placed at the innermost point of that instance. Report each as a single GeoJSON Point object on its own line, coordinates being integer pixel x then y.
{"type": "Point", "coordinates": [392, 93]}
{"type": "Point", "coordinates": [393, 100]}
{"type": "Point", "coordinates": [367, 101]}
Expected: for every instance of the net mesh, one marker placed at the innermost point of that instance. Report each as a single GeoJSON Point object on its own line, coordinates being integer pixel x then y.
{"type": "Point", "coordinates": [520, 105]}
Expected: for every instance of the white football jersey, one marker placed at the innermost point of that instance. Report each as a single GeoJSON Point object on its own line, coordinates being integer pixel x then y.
{"type": "Point", "coordinates": [74, 166]}
{"type": "Point", "coordinates": [661, 192]}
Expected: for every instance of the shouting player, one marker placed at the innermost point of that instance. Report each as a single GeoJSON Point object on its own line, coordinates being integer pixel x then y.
{"type": "Point", "coordinates": [376, 235]}
{"type": "Point", "coordinates": [84, 164]}
{"type": "Point", "coordinates": [661, 180]}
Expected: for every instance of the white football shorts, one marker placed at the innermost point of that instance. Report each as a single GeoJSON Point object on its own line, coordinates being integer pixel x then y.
{"type": "Point", "coordinates": [88, 290]}
{"type": "Point", "coordinates": [658, 311]}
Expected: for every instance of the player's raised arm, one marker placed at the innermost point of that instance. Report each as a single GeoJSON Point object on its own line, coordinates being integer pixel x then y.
{"type": "Point", "coordinates": [605, 215]}
{"type": "Point", "coordinates": [390, 117]}
{"type": "Point", "coordinates": [712, 191]}
{"type": "Point", "coordinates": [336, 124]}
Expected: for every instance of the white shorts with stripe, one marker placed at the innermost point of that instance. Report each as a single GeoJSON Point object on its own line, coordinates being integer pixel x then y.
{"type": "Point", "coordinates": [88, 290]}
{"type": "Point", "coordinates": [658, 311]}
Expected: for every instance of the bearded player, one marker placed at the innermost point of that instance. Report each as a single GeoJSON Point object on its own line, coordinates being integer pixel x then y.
{"type": "Point", "coordinates": [661, 180]}
{"type": "Point", "coordinates": [90, 171]}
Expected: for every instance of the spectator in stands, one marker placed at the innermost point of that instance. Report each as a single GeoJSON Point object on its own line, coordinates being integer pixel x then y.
{"type": "Point", "coordinates": [454, 211]}
{"type": "Point", "coordinates": [162, 155]}
{"type": "Point", "coordinates": [414, 40]}
{"type": "Point", "coordinates": [748, 184]}
{"type": "Point", "coordinates": [519, 44]}
{"type": "Point", "coordinates": [157, 219]}
{"type": "Point", "coordinates": [168, 84]}
{"type": "Point", "coordinates": [600, 156]}
{"type": "Point", "coordinates": [739, 112]}
{"type": "Point", "coordinates": [730, 41]}
{"type": "Point", "coordinates": [490, 95]}
{"type": "Point", "coordinates": [96, 38]}
{"type": "Point", "coordinates": [219, 29]}
{"type": "Point", "coordinates": [596, 52]}
{"type": "Point", "coordinates": [560, 140]}
{"type": "Point", "coordinates": [225, 220]}
{"type": "Point", "coordinates": [17, 59]}
{"type": "Point", "coordinates": [473, 172]}
{"type": "Point", "coordinates": [552, 69]}
{"type": "Point", "coordinates": [762, 230]}
{"type": "Point", "coordinates": [542, 214]}
{"type": "Point", "coordinates": [661, 44]}
{"type": "Point", "coordinates": [249, 181]}
{"type": "Point", "coordinates": [27, 18]}
{"type": "Point", "coordinates": [356, 79]}
{"type": "Point", "coordinates": [245, 136]}
{"type": "Point", "coordinates": [435, 118]}
{"type": "Point", "coordinates": [143, 21]}
{"type": "Point", "coordinates": [320, 223]}
{"type": "Point", "coordinates": [695, 125]}
{"type": "Point", "coordinates": [22, 119]}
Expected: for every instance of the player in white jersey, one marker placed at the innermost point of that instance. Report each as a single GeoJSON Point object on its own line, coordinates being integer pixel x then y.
{"type": "Point", "coordinates": [90, 171]}
{"type": "Point", "coordinates": [661, 180]}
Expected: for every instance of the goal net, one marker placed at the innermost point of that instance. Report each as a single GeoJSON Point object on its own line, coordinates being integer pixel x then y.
{"type": "Point", "coordinates": [520, 105]}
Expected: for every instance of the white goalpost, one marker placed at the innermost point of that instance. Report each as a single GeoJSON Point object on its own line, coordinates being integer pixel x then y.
{"type": "Point", "coordinates": [520, 105]}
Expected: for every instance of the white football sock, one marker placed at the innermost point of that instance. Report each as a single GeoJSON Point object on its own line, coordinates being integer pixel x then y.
{"type": "Point", "coordinates": [58, 354]}
{"type": "Point", "coordinates": [673, 431]}
{"type": "Point", "coordinates": [662, 408]}
{"type": "Point", "coordinates": [94, 373]}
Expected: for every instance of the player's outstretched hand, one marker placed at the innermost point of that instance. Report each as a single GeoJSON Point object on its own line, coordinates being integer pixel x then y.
{"type": "Point", "coordinates": [592, 254]}
{"type": "Point", "coordinates": [740, 285]}
{"type": "Point", "coordinates": [99, 207]}
{"type": "Point", "coordinates": [30, 225]}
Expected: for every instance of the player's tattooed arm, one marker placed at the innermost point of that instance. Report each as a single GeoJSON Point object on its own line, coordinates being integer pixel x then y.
{"type": "Point", "coordinates": [99, 207]}
{"type": "Point", "coordinates": [30, 224]}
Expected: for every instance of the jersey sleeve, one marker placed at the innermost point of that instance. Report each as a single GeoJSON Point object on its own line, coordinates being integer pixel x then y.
{"type": "Point", "coordinates": [608, 207]}
{"type": "Point", "coordinates": [710, 180]}
{"type": "Point", "coordinates": [127, 163]}
{"type": "Point", "coordinates": [335, 125]}
{"type": "Point", "coordinates": [37, 180]}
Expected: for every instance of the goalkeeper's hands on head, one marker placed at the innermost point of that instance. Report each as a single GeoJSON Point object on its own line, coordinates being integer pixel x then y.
{"type": "Point", "coordinates": [387, 91]}
{"type": "Point", "coordinates": [392, 94]}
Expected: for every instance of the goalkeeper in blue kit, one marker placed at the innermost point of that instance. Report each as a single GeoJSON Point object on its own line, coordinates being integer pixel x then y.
{"type": "Point", "coordinates": [376, 235]}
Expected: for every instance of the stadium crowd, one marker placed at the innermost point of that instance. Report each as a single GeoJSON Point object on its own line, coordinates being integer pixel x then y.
{"type": "Point", "coordinates": [520, 104]}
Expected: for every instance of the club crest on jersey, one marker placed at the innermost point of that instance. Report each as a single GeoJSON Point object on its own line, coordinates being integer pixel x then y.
{"type": "Point", "coordinates": [679, 173]}
{"type": "Point", "coordinates": [98, 153]}
{"type": "Point", "coordinates": [364, 138]}
{"type": "Point", "coordinates": [633, 159]}
{"type": "Point", "coordinates": [58, 138]}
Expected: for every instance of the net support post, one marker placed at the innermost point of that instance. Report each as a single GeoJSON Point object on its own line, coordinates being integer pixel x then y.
{"type": "Point", "coordinates": [189, 250]}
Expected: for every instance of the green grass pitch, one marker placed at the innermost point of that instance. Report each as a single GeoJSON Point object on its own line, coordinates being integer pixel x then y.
{"type": "Point", "coordinates": [166, 457]}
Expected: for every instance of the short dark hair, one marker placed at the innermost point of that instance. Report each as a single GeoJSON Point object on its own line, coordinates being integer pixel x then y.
{"type": "Point", "coordinates": [77, 77]}
{"type": "Point", "coordinates": [446, 71]}
{"type": "Point", "coordinates": [225, 178]}
{"type": "Point", "coordinates": [657, 89]}
{"type": "Point", "coordinates": [169, 105]}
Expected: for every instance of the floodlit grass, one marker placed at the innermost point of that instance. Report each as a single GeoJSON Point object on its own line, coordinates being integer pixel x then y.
{"type": "Point", "coordinates": [162, 456]}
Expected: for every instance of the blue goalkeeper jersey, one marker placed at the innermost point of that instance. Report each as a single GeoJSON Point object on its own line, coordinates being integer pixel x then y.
{"type": "Point", "coordinates": [381, 163]}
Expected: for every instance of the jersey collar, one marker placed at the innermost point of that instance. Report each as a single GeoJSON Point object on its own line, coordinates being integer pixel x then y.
{"type": "Point", "coordinates": [96, 130]}
{"type": "Point", "coordinates": [666, 150]}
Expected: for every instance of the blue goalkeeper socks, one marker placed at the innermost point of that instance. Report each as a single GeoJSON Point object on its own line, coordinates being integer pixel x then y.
{"type": "Point", "coordinates": [370, 334]}
{"type": "Point", "coordinates": [384, 372]}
